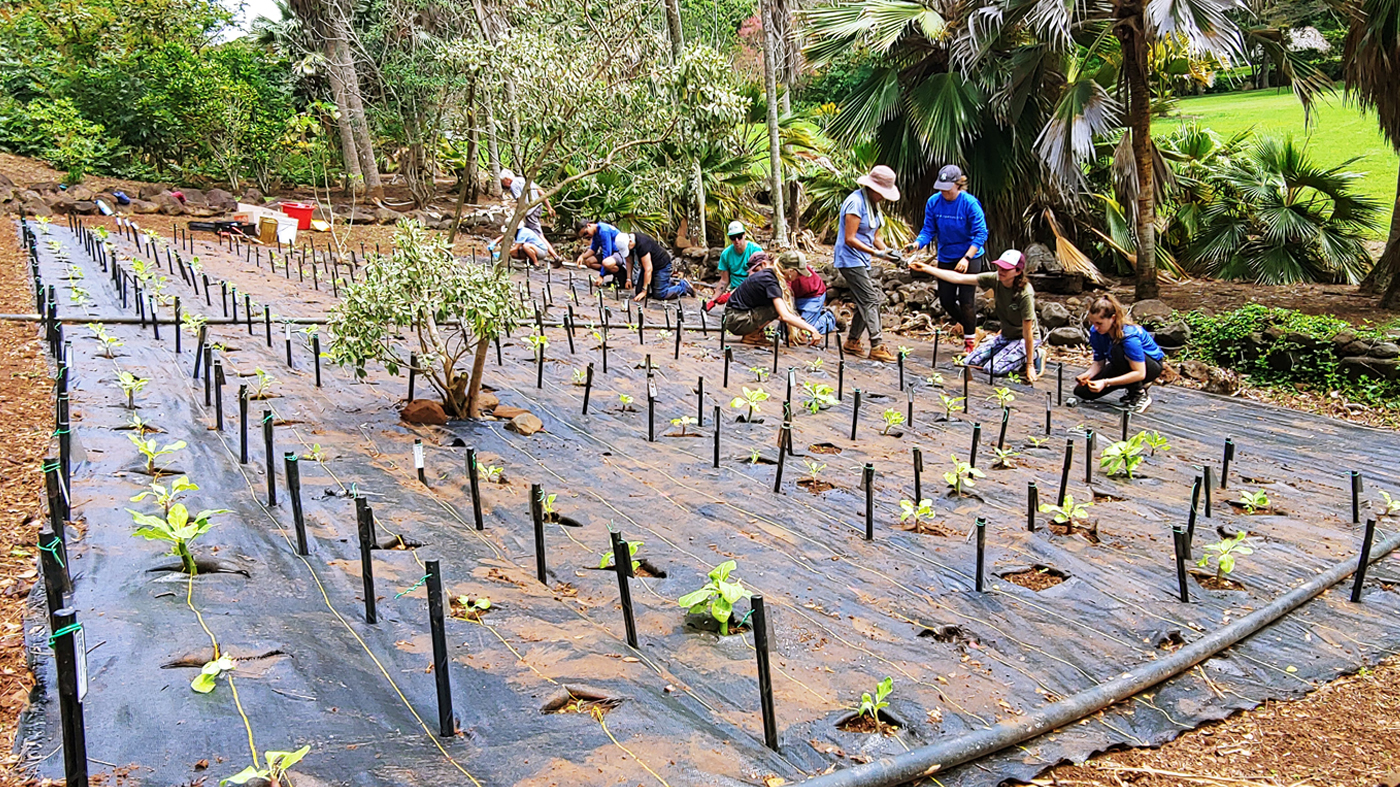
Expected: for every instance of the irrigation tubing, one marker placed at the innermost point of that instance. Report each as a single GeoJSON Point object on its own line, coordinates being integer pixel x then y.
{"type": "Point", "coordinates": [123, 319]}
{"type": "Point", "coordinates": [926, 760]}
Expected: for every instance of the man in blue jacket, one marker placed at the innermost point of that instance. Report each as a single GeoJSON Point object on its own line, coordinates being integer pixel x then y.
{"type": "Point", "coordinates": [602, 246]}
{"type": "Point", "coordinates": [955, 222]}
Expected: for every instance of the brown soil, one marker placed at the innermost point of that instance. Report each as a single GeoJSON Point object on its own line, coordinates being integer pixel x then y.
{"type": "Point", "coordinates": [1037, 579]}
{"type": "Point", "coordinates": [931, 529]}
{"type": "Point", "coordinates": [1066, 529]}
{"type": "Point", "coordinates": [26, 424]}
{"type": "Point", "coordinates": [1212, 582]}
{"type": "Point", "coordinates": [865, 725]}
{"type": "Point", "coordinates": [815, 486]}
{"type": "Point", "coordinates": [1340, 735]}
{"type": "Point", "coordinates": [823, 448]}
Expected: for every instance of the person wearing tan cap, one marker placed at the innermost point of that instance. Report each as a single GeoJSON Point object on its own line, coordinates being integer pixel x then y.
{"type": "Point", "coordinates": [857, 240]}
{"type": "Point", "coordinates": [1016, 349]}
{"type": "Point", "coordinates": [763, 298]}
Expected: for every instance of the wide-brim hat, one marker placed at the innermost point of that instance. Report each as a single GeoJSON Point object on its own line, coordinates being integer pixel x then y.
{"type": "Point", "coordinates": [880, 179]}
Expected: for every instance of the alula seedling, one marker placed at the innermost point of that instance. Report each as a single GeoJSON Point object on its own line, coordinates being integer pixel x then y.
{"type": "Point", "coordinates": [263, 387]}
{"type": "Point", "coordinates": [870, 707]}
{"type": "Point", "coordinates": [152, 452]}
{"type": "Point", "coordinates": [683, 422]}
{"type": "Point", "coordinates": [492, 473]}
{"type": "Point", "coordinates": [626, 402]}
{"type": "Point", "coordinates": [192, 322]}
{"type": "Point", "coordinates": [547, 505]}
{"type": "Point", "coordinates": [538, 342]}
{"type": "Point", "coordinates": [580, 377]}
{"type": "Point", "coordinates": [1224, 554]}
{"type": "Point", "coordinates": [934, 380]}
{"type": "Point", "coordinates": [921, 514]}
{"type": "Point", "coordinates": [751, 399]}
{"type": "Point", "coordinates": [1123, 457]}
{"type": "Point", "coordinates": [178, 528]}
{"type": "Point", "coordinates": [1392, 506]}
{"type": "Point", "coordinates": [759, 372]}
{"type": "Point", "coordinates": [1154, 441]}
{"type": "Point", "coordinates": [316, 454]}
{"type": "Point", "coordinates": [814, 468]}
{"type": "Point", "coordinates": [1254, 502]}
{"type": "Point", "coordinates": [905, 352]}
{"type": "Point", "coordinates": [961, 476]}
{"type": "Point", "coordinates": [1069, 513]}
{"type": "Point", "coordinates": [893, 418]}
{"type": "Point", "coordinates": [718, 596]}
{"type": "Point", "coordinates": [817, 397]}
{"type": "Point", "coordinates": [109, 342]}
{"type": "Point", "coordinates": [130, 385]}
{"type": "Point", "coordinates": [754, 456]}
{"type": "Point", "coordinates": [814, 365]}
{"type": "Point", "coordinates": [278, 763]}
{"type": "Point", "coordinates": [1003, 397]}
{"type": "Point", "coordinates": [167, 496]}
{"type": "Point", "coordinates": [204, 682]}
{"type": "Point", "coordinates": [1037, 442]}
{"type": "Point", "coordinates": [473, 607]}
{"type": "Point", "coordinates": [1005, 457]}
{"type": "Point", "coordinates": [139, 426]}
{"type": "Point", "coordinates": [949, 403]}
{"type": "Point", "coordinates": [632, 546]}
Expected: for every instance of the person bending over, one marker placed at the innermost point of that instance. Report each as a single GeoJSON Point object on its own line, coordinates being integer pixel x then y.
{"type": "Point", "coordinates": [1015, 349]}
{"type": "Point", "coordinates": [513, 186]}
{"type": "Point", "coordinates": [809, 299]}
{"type": "Point", "coordinates": [1125, 356]}
{"type": "Point", "coordinates": [601, 237]}
{"type": "Point", "coordinates": [651, 268]}
{"type": "Point", "coordinates": [954, 220]}
{"type": "Point", "coordinates": [763, 298]}
{"type": "Point", "coordinates": [529, 245]}
{"type": "Point", "coordinates": [735, 262]}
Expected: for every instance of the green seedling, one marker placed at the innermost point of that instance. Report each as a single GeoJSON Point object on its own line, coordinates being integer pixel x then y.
{"type": "Point", "coordinates": [814, 468]}
{"type": "Point", "coordinates": [1392, 506]}
{"type": "Point", "coordinates": [950, 403]}
{"type": "Point", "coordinates": [718, 596]}
{"type": "Point", "coordinates": [167, 496]}
{"type": "Point", "coordinates": [870, 707]}
{"type": "Point", "coordinates": [626, 403]}
{"type": "Point", "coordinates": [547, 505]}
{"type": "Point", "coordinates": [177, 528]}
{"type": "Point", "coordinates": [278, 763]}
{"type": "Point", "coordinates": [754, 456]}
{"type": "Point", "coordinates": [818, 397]}
{"type": "Point", "coordinates": [1122, 458]}
{"type": "Point", "coordinates": [1005, 457]}
{"type": "Point", "coordinates": [538, 342]}
{"type": "Point", "coordinates": [316, 454]}
{"type": "Point", "coordinates": [893, 417]}
{"type": "Point", "coordinates": [663, 334]}
{"type": "Point", "coordinates": [101, 232]}
{"type": "Point", "coordinates": [1155, 441]}
{"type": "Point", "coordinates": [131, 385]}
{"type": "Point", "coordinates": [759, 372]}
{"type": "Point", "coordinates": [109, 342]}
{"type": "Point", "coordinates": [1037, 442]}
{"type": "Point", "coordinates": [152, 452]}
{"type": "Point", "coordinates": [43, 222]}
{"type": "Point", "coordinates": [1224, 553]}
{"type": "Point", "coordinates": [139, 426]}
{"type": "Point", "coordinates": [934, 380]}
{"type": "Point", "coordinates": [1069, 513]}
{"type": "Point", "coordinates": [580, 377]}
{"type": "Point", "coordinates": [263, 387]}
{"type": "Point", "coordinates": [492, 473]}
{"type": "Point", "coordinates": [961, 476]}
{"type": "Point", "coordinates": [683, 422]}
{"type": "Point", "coordinates": [1254, 502]}
{"type": "Point", "coordinates": [814, 365]}
{"type": "Point", "coordinates": [1003, 397]}
{"type": "Point", "coordinates": [1013, 377]}
{"type": "Point", "coordinates": [920, 514]}
{"type": "Point", "coordinates": [632, 547]}
{"type": "Point", "coordinates": [905, 352]}
{"type": "Point", "coordinates": [751, 399]}
{"type": "Point", "coordinates": [79, 295]}
{"type": "Point", "coordinates": [191, 322]}
{"type": "Point", "coordinates": [204, 683]}
{"type": "Point", "coordinates": [473, 608]}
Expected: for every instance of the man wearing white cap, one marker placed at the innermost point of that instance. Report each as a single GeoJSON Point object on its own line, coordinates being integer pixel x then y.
{"type": "Point", "coordinates": [1014, 350]}
{"type": "Point", "coordinates": [512, 186]}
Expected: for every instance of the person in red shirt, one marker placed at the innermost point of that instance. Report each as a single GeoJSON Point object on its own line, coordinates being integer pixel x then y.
{"type": "Point", "coordinates": [809, 298]}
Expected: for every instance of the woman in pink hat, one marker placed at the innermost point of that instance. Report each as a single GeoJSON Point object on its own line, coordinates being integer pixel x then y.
{"type": "Point", "coordinates": [857, 240]}
{"type": "Point", "coordinates": [1015, 349]}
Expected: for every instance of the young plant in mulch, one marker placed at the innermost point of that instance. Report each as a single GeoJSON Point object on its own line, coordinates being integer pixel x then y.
{"type": "Point", "coordinates": [109, 342]}
{"type": "Point", "coordinates": [177, 528]}
{"type": "Point", "coordinates": [191, 322]}
{"type": "Point", "coordinates": [817, 397]}
{"type": "Point", "coordinates": [79, 295]}
{"type": "Point", "coordinates": [580, 377]}
{"type": "Point", "coordinates": [717, 596]}
{"type": "Point", "coordinates": [684, 422]}
{"type": "Point", "coordinates": [751, 399]}
{"type": "Point", "coordinates": [934, 380]}
{"type": "Point", "coordinates": [468, 608]}
{"type": "Point", "coordinates": [278, 763]}
{"type": "Point", "coordinates": [43, 222]}
{"type": "Point", "coordinates": [1254, 502]}
{"type": "Point", "coordinates": [1003, 397]}
{"type": "Point", "coordinates": [1070, 515]}
{"type": "Point", "coordinates": [131, 385]}
{"type": "Point", "coordinates": [950, 403]}
{"type": "Point", "coordinates": [538, 343]}
{"type": "Point", "coordinates": [1392, 506]}
{"type": "Point", "coordinates": [606, 560]}
{"type": "Point", "coordinates": [210, 672]}
{"type": "Point", "coordinates": [754, 456]}
{"type": "Point", "coordinates": [493, 474]}
{"type": "Point", "coordinates": [960, 478]}
{"type": "Point", "coordinates": [1005, 458]}
{"type": "Point", "coordinates": [759, 372]}
{"type": "Point", "coordinates": [138, 425]}
{"type": "Point", "coordinates": [814, 365]}
{"type": "Point", "coordinates": [870, 716]}
{"type": "Point", "coordinates": [1036, 442]}
{"type": "Point", "coordinates": [262, 389]}
{"type": "Point", "coordinates": [1225, 553]}
{"type": "Point", "coordinates": [919, 518]}
{"type": "Point", "coordinates": [893, 417]}
{"type": "Point", "coordinates": [1123, 457]}
{"type": "Point", "coordinates": [813, 482]}
{"type": "Point", "coordinates": [151, 451]}
{"type": "Point", "coordinates": [316, 454]}
{"type": "Point", "coordinates": [625, 404]}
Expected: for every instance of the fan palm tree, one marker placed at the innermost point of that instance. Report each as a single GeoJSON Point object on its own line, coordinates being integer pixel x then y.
{"type": "Point", "coordinates": [1372, 79]}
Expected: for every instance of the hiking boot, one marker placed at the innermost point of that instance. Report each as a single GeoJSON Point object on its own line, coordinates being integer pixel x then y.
{"type": "Point", "coordinates": [879, 353]}
{"type": "Point", "coordinates": [852, 347]}
{"type": "Point", "coordinates": [756, 338]}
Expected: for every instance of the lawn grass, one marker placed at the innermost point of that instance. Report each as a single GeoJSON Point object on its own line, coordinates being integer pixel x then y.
{"type": "Point", "coordinates": [1338, 132]}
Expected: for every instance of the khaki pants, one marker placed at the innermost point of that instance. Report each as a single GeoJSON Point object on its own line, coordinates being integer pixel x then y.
{"type": "Point", "coordinates": [746, 321]}
{"type": "Point", "coordinates": [868, 298]}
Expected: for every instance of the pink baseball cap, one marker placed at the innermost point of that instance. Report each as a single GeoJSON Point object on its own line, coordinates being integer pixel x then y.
{"type": "Point", "coordinates": [1010, 260]}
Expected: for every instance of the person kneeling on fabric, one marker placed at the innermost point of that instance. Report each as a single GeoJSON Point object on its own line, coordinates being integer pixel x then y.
{"type": "Point", "coordinates": [809, 299]}
{"type": "Point", "coordinates": [763, 298]}
{"type": "Point", "coordinates": [1125, 356]}
{"type": "Point", "coordinates": [1015, 349]}
{"type": "Point", "coordinates": [529, 245]}
{"type": "Point", "coordinates": [651, 268]}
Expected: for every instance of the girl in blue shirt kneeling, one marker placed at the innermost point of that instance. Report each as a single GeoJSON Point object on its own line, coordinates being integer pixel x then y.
{"type": "Point", "coordinates": [1125, 356]}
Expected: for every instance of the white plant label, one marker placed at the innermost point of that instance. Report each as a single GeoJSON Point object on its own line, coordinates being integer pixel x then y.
{"type": "Point", "coordinates": [418, 456]}
{"type": "Point", "coordinates": [80, 662]}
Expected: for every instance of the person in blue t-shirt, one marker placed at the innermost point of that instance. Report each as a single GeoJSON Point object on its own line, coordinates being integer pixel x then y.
{"type": "Point", "coordinates": [1125, 356]}
{"type": "Point", "coordinates": [954, 220]}
{"type": "Point", "coordinates": [601, 251]}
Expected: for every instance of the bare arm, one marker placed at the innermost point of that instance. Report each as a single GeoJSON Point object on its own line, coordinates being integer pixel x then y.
{"type": "Point", "coordinates": [950, 276]}
{"type": "Point", "coordinates": [852, 227]}
{"type": "Point", "coordinates": [1028, 332]}
{"type": "Point", "coordinates": [646, 278]}
{"type": "Point", "coordinates": [724, 281]}
{"type": "Point", "coordinates": [787, 315]}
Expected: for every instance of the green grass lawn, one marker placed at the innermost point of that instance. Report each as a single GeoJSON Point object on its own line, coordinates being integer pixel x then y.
{"type": "Point", "coordinates": [1338, 132]}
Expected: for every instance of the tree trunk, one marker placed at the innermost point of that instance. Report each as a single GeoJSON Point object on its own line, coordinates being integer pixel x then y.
{"type": "Point", "coordinates": [1134, 47]}
{"type": "Point", "coordinates": [364, 145]}
{"type": "Point", "coordinates": [703, 237]}
{"type": "Point", "coordinates": [348, 151]}
{"type": "Point", "coordinates": [1387, 268]}
{"type": "Point", "coordinates": [513, 117]}
{"type": "Point", "coordinates": [470, 173]}
{"type": "Point", "coordinates": [493, 150]}
{"type": "Point", "coordinates": [1390, 259]}
{"type": "Point", "coordinates": [473, 409]}
{"type": "Point", "coordinates": [673, 26]}
{"type": "Point", "coordinates": [775, 158]}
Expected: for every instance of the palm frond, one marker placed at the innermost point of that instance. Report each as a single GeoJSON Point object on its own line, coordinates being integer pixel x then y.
{"type": "Point", "coordinates": [1085, 110]}
{"type": "Point", "coordinates": [1203, 24]}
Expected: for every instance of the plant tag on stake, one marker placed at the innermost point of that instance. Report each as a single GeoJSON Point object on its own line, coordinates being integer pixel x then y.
{"type": "Point", "coordinates": [417, 456]}
{"type": "Point", "coordinates": [651, 388]}
{"type": "Point", "coordinates": [80, 662]}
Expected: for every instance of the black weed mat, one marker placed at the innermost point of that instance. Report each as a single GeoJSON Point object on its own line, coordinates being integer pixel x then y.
{"type": "Point", "coordinates": [683, 708]}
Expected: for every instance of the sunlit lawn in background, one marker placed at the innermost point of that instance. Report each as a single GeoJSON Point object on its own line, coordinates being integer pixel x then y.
{"type": "Point", "coordinates": [1338, 132]}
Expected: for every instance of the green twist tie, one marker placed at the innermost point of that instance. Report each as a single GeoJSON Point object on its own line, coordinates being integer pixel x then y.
{"type": "Point", "coordinates": [52, 465]}
{"type": "Point", "coordinates": [60, 432]}
{"type": "Point", "coordinates": [416, 585]}
{"type": "Point", "coordinates": [52, 549]}
{"type": "Point", "coordinates": [69, 629]}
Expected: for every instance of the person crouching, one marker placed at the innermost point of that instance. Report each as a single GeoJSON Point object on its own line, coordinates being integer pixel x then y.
{"type": "Point", "coordinates": [763, 298]}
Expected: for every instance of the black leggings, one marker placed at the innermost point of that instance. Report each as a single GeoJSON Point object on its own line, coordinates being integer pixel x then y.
{"type": "Point", "coordinates": [1118, 365]}
{"type": "Point", "coordinates": [960, 300]}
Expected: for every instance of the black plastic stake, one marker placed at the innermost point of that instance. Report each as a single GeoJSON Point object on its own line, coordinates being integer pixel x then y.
{"type": "Point", "coordinates": [1060, 385]}
{"type": "Point", "coordinates": [700, 402]}
{"type": "Point", "coordinates": [1355, 497]}
{"type": "Point", "coordinates": [1356, 585]}
{"type": "Point", "coordinates": [1127, 421]}
{"type": "Point", "coordinates": [841, 380]}
{"type": "Point", "coordinates": [587, 387]}
{"type": "Point", "coordinates": [1064, 471]}
{"type": "Point", "coordinates": [1001, 436]}
{"type": "Point", "coordinates": [537, 514]}
{"type": "Point", "coordinates": [900, 360]}
{"type": "Point", "coordinates": [1089, 441]}
{"type": "Point", "coordinates": [177, 325]}
{"type": "Point", "coordinates": [651, 416]}
{"type": "Point", "coordinates": [976, 440]}
{"type": "Point", "coordinates": [936, 336]}
{"type": "Point", "coordinates": [52, 560]}
{"type": "Point", "coordinates": [981, 552]}
{"type": "Point", "coordinates": [868, 481]}
{"type": "Point", "coordinates": [288, 333]}
{"type": "Point", "coordinates": [289, 460]}
{"type": "Point", "coordinates": [1032, 505]}
{"type": "Point", "coordinates": [447, 726]}
{"type": "Point", "coordinates": [1225, 464]}
{"type": "Point", "coordinates": [1047, 413]}
{"type": "Point", "coordinates": [316, 351]}
{"type": "Point", "coordinates": [784, 434]}
{"type": "Point", "coordinates": [219, 396]}
{"type": "Point", "coordinates": [855, 414]}
{"type": "Point", "coordinates": [680, 331]}
{"type": "Point", "coordinates": [243, 424]}
{"type": "Point", "coordinates": [364, 518]}
{"type": "Point", "coordinates": [199, 350]}
{"type": "Point", "coordinates": [70, 657]}
{"type": "Point", "coordinates": [58, 508]}
{"type": "Point", "coordinates": [918, 476]}
{"type": "Point", "coordinates": [1206, 485]}
{"type": "Point", "coordinates": [622, 564]}
{"type": "Point", "coordinates": [728, 357]}
{"type": "Point", "coordinates": [717, 425]}
{"type": "Point", "coordinates": [777, 337]}
{"type": "Point", "coordinates": [271, 458]}
{"type": "Point", "coordinates": [474, 476]}
{"type": "Point", "coordinates": [1191, 515]}
{"type": "Point", "coordinates": [1179, 537]}
{"type": "Point", "coordinates": [765, 676]}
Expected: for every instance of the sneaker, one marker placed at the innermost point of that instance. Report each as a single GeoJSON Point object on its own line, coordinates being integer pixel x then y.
{"type": "Point", "coordinates": [853, 347]}
{"type": "Point", "coordinates": [879, 353]}
{"type": "Point", "coordinates": [689, 289]}
{"type": "Point", "coordinates": [1139, 403]}
{"type": "Point", "coordinates": [969, 345]}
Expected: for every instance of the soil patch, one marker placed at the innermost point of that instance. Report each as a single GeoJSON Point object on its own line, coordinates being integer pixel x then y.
{"type": "Point", "coordinates": [1212, 582]}
{"type": "Point", "coordinates": [815, 486]}
{"type": "Point", "coordinates": [1066, 529]}
{"type": "Point", "coordinates": [931, 529]}
{"type": "Point", "coordinates": [823, 448]}
{"type": "Point", "coordinates": [1037, 578]}
{"type": "Point", "coordinates": [576, 699]}
{"type": "Point", "coordinates": [864, 724]}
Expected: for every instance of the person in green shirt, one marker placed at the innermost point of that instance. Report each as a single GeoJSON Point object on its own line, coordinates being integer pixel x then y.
{"type": "Point", "coordinates": [1015, 349]}
{"type": "Point", "coordinates": [734, 263]}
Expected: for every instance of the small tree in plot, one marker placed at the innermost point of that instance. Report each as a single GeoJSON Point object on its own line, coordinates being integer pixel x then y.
{"type": "Point", "coordinates": [453, 310]}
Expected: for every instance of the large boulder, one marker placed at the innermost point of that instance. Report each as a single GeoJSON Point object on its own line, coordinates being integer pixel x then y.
{"type": "Point", "coordinates": [1151, 312]}
{"type": "Point", "coordinates": [168, 204]}
{"type": "Point", "coordinates": [1366, 366]}
{"type": "Point", "coordinates": [1385, 350]}
{"type": "Point", "coordinates": [143, 207]}
{"type": "Point", "coordinates": [5, 180]}
{"type": "Point", "coordinates": [203, 211]}
{"type": "Point", "coordinates": [36, 207]}
{"type": "Point", "coordinates": [1040, 259]}
{"type": "Point", "coordinates": [1212, 379]}
{"type": "Point", "coordinates": [85, 207]}
{"type": "Point", "coordinates": [81, 193]}
{"type": "Point", "coordinates": [194, 196]}
{"type": "Point", "coordinates": [1053, 315]}
{"type": "Point", "coordinates": [149, 191]}
{"type": "Point", "coordinates": [1068, 336]}
{"type": "Point", "coordinates": [44, 186]}
{"type": "Point", "coordinates": [224, 201]}
{"type": "Point", "coordinates": [253, 196]}
{"type": "Point", "coordinates": [386, 216]}
{"type": "Point", "coordinates": [60, 201]}
{"type": "Point", "coordinates": [1173, 335]}
{"type": "Point", "coordinates": [424, 411]}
